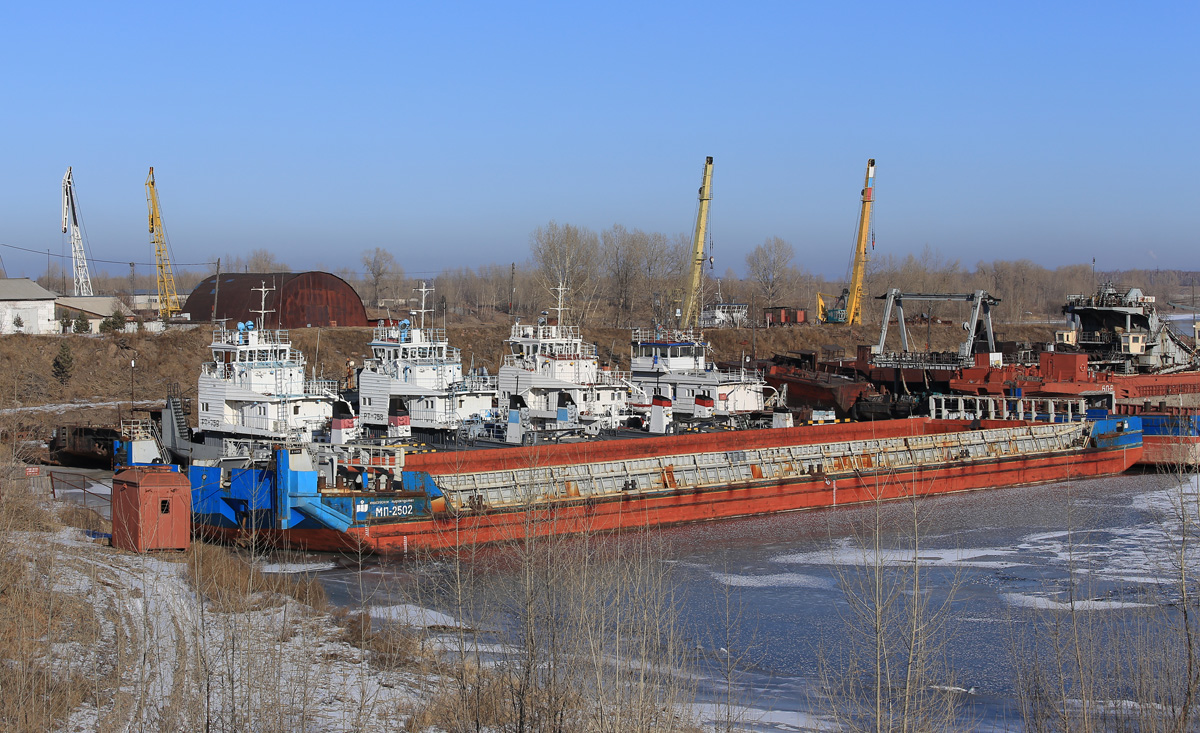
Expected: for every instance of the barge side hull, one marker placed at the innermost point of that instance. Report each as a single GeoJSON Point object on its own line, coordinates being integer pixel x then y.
{"type": "Point", "coordinates": [646, 510]}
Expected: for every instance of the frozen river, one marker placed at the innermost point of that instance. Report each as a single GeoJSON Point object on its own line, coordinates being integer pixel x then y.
{"type": "Point", "coordinates": [1008, 556]}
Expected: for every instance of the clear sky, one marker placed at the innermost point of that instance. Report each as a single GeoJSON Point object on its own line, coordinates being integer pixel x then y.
{"type": "Point", "coordinates": [446, 132]}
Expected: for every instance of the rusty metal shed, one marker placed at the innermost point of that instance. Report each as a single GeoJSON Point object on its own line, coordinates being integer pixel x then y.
{"type": "Point", "coordinates": [299, 299]}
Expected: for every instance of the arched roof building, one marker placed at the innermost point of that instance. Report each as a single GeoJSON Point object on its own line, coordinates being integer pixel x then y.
{"type": "Point", "coordinates": [299, 299]}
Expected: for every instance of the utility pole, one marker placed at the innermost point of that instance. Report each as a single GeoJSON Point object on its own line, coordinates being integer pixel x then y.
{"type": "Point", "coordinates": [512, 286]}
{"type": "Point", "coordinates": [217, 292]}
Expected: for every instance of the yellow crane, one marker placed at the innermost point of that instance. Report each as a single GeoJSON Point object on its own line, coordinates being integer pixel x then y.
{"type": "Point", "coordinates": [691, 301]}
{"type": "Point", "coordinates": [168, 301]}
{"type": "Point", "coordinates": [848, 308]}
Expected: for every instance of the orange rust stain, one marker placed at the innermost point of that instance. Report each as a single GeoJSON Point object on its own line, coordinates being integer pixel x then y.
{"type": "Point", "coordinates": [756, 470]}
{"type": "Point", "coordinates": [669, 477]}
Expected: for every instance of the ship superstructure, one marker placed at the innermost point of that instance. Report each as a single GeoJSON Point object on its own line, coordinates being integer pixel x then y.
{"type": "Point", "coordinates": [552, 382]}
{"type": "Point", "coordinates": [1123, 332]}
{"type": "Point", "coordinates": [674, 365]}
{"type": "Point", "coordinates": [255, 387]}
{"type": "Point", "coordinates": [415, 380]}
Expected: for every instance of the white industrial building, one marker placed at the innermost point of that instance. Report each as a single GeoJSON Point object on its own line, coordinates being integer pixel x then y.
{"type": "Point", "coordinates": [95, 309]}
{"type": "Point", "coordinates": [26, 307]}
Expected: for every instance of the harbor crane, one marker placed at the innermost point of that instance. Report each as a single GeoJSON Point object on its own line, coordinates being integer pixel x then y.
{"type": "Point", "coordinates": [691, 297]}
{"type": "Point", "coordinates": [70, 226]}
{"type": "Point", "coordinates": [168, 301]}
{"type": "Point", "coordinates": [847, 308]}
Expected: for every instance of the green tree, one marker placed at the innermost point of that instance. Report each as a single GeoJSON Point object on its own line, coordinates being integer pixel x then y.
{"type": "Point", "coordinates": [114, 323]}
{"type": "Point", "coordinates": [64, 364]}
{"type": "Point", "coordinates": [82, 325]}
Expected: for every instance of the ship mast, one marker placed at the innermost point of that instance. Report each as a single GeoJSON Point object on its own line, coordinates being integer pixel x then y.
{"type": "Point", "coordinates": [423, 291]}
{"type": "Point", "coordinates": [262, 308]}
{"type": "Point", "coordinates": [560, 307]}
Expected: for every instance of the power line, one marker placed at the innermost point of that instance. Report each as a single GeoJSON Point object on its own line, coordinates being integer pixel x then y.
{"type": "Point", "coordinates": [96, 259]}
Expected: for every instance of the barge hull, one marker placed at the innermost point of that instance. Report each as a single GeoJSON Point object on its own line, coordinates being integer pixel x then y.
{"type": "Point", "coordinates": [680, 506]}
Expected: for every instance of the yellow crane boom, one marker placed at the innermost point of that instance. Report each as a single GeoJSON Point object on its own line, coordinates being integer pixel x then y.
{"type": "Point", "coordinates": [691, 302]}
{"type": "Point", "coordinates": [855, 289]}
{"type": "Point", "coordinates": [168, 301]}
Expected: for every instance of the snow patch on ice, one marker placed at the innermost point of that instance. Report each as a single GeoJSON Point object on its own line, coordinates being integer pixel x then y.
{"type": "Point", "coordinates": [1021, 600]}
{"type": "Point", "coordinates": [296, 567]}
{"type": "Point", "coordinates": [776, 580]}
{"type": "Point", "coordinates": [410, 615]}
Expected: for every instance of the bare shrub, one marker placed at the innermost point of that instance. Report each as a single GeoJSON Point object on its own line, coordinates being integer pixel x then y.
{"type": "Point", "coordinates": [232, 584]}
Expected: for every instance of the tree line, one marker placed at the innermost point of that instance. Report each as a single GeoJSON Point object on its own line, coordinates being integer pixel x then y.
{"type": "Point", "coordinates": [623, 277]}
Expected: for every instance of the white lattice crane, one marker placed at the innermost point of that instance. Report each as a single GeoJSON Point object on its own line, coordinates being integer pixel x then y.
{"type": "Point", "coordinates": [70, 226]}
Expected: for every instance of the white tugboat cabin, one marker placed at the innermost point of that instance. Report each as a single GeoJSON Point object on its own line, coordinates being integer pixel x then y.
{"type": "Point", "coordinates": [415, 380]}
{"type": "Point", "coordinates": [551, 381]}
{"type": "Point", "coordinates": [674, 365]}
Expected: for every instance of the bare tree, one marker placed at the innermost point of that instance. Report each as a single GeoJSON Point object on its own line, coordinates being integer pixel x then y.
{"type": "Point", "coordinates": [767, 265]}
{"type": "Point", "coordinates": [380, 265]}
{"type": "Point", "coordinates": [567, 256]}
{"type": "Point", "coordinates": [624, 252]}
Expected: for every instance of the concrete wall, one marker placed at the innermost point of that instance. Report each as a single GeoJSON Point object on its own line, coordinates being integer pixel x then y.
{"type": "Point", "coordinates": [37, 316]}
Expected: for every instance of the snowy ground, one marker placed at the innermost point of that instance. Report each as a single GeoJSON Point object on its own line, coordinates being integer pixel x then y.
{"type": "Point", "coordinates": [167, 661]}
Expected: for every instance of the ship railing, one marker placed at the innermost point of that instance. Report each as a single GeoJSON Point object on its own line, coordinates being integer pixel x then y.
{"type": "Point", "coordinates": [1041, 409]}
{"type": "Point", "coordinates": [1098, 337]}
{"type": "Point", "coordinates": [665, 335]}
{"type": "Point", "coordinates": [218, 371]}
{"type": "Point", "coordinates": [613, 378]}
{"type": "Point", "coordinates": [530, 331]}
{"type": "Point", "coordinates": [140, 429]}
{"type": "Point", "coordinates": [408, 335]}
{"type": "Point", "coordinates": [364, 455]}
{"type": "Point", "coordinates": [269, 337]}
{"type": "Point", "coordinates": [921, 360]}
{"type": "Point", "coordinates": [475, 383]}
{"type": "Point", "coordinates": [321, 386]}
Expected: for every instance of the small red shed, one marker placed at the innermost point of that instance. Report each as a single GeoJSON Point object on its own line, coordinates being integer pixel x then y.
{"type": "Point", "coordinates": [151, 509]}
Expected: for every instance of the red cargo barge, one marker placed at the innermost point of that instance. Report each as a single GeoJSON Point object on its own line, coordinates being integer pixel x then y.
{"type": "Point", "coordinates": [503, 495]}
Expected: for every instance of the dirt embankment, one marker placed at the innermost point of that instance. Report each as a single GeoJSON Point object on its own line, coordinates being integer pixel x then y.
{"type": "Point", "coordinates": [100, 369]}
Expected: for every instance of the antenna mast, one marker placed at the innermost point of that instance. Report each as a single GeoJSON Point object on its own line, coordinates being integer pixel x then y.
{"type": "Point", "coordinates": [262, 308]}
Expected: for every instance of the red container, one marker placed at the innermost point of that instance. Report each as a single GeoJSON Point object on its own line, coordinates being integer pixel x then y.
{"type": "Point", "coordinates": [151, 509]}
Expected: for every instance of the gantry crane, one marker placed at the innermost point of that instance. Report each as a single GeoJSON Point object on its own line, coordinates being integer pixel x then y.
{"type": "Point", "coordinates": [691, 297]}
{"type": "Point", "coordinates": [168, 302]}
{"type": "Point", "coordinates": [70, 225]}
{"type": "Point", "coordinates": [848, 308]}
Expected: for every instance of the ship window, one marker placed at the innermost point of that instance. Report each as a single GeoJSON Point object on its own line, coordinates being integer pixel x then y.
{"type": "Point", "coordinates": [164, 506]}
{"type": "Point", "coordinates": [295, 409]}
{"type": "Point", "coordinates": [204, 406]}
{"type": "Point", "coordinates": [366, 400]}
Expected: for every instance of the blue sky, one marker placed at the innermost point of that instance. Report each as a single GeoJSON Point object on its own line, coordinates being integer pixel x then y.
{"type": "Point", "coordinates": [447, 132]}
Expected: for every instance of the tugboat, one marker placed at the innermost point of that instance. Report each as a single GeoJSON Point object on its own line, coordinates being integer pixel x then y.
{"type": "Point", "coordinates": [415, 383]}
{"type": "Point", "coordinates": [553, 385]}
{"type": "Point", "coordinates": [672, 365]}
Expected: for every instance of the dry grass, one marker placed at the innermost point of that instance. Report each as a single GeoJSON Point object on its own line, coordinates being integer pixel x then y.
{"type": "Point", "coordinates": [233, 585]}
{"type": "Point", "coordinates": [35, 619]}
{"type": "Point", "coordinates": [73, 515]}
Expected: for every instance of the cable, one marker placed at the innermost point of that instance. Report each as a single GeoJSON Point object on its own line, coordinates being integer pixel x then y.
{"type": "Point", "coordinates": [109, 262]}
